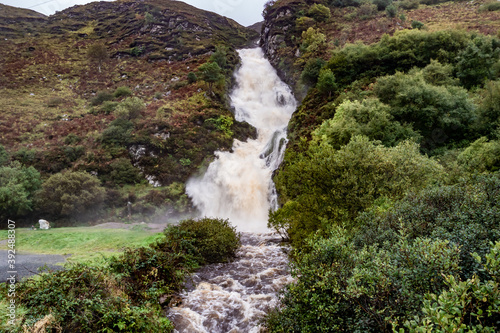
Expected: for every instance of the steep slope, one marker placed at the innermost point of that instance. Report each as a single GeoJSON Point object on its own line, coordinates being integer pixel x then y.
{"type": "Point", "coordinates": [63, 86]}
{"type": "Point", "coordinates": [17, 22]}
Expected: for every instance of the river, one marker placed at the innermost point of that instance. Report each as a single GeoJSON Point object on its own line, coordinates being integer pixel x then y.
{"type": "Point", "coordinates": [238, 185]}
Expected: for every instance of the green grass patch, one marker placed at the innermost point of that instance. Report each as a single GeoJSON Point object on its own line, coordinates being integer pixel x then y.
{"type": "Point", "coordinates": [82, 243]}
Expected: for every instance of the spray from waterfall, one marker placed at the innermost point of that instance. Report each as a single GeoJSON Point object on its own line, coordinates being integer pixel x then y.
{"type": "Point", "coordinates": [238, 184]}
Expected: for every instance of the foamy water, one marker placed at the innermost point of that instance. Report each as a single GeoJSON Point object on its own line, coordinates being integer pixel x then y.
{"type": "Point", "coordinates": [238, 185]}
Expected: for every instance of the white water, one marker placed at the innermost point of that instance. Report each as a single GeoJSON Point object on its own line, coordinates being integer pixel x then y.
{"type": "Point", "coordinates": [233, 297]}
{"type": "Point", "coordinates": [238, 185]}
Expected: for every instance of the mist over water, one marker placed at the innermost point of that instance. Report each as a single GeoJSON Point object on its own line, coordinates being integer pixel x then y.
{"type": "Point", "coordinates": [238, 184]}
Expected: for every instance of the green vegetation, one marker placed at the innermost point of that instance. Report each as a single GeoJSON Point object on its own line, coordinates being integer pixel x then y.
{"type": "Point", "coordinates": [124, 294]}
{"type": "Point", "coordinates": [389, 188]}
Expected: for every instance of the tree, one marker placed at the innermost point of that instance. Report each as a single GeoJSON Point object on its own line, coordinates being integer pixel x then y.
{"type": "Point", "coordinates": [370, 118]}
{"type": "Point", "coordinates": [219, 57]}
{"type": "Point", "coordinates": [71, 193]}
{"type": "Point", "coordinates": [97, 53]}
{"type": "Point", "coordinates": [211, 73]}
{"type": "Point", "coordinates": [326, 82]}
{"type": "Point", "coordinates": [18, 185]}
{"type": "Point", "coordinates": [311, 71]}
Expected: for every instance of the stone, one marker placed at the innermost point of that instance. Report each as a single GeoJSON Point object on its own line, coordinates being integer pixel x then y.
{"type": "Point", "coordinates": [45, 225]}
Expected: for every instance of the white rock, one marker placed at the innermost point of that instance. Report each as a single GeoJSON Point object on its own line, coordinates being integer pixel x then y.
{"type": "Point", "coordinates": [44, 224]}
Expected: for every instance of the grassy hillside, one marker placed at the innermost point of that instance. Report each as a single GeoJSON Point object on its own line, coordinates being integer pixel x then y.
{"type": "Point", "coordinates": [63, 86]}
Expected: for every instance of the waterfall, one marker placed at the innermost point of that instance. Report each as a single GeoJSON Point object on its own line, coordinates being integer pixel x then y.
{"type": "Point", "coordinates": [238, 184]}
{"type": "Point", "coordinates": [233, 297]}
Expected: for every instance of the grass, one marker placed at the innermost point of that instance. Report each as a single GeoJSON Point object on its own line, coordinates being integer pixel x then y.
{"type": "Point", "coordinates": [82, 243]}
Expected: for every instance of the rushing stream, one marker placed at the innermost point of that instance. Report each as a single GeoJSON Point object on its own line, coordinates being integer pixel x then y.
{"type": "Point", "coordinates": [238, 186]}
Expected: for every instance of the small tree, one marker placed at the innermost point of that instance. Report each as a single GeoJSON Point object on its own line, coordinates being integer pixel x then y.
{"type": "Point", "coordinates": [211, 73]}
{"type": "Point", "coordinates": [97, 53]}
{"type": "Point", "coordinates": [69, 193]}
{"type": "Point", "coordinates": [326, 82]}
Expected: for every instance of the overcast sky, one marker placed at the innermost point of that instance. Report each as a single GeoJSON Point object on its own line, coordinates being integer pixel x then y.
{"type": "Point", "coordinates": [245, 12]}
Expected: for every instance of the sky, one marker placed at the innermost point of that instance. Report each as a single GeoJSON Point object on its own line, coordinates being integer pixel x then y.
{"type": "Point", "coordinates": [244, 12]}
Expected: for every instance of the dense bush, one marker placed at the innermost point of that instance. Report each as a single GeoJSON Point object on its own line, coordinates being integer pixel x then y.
{"type": "Point", "coordinates": [466, 214]}
{"type": "Point", "coordinates": [325, 187]}
{"type": "Point", "coordinates": [118, 133]}
{"type": "Point", "coordinates": [89, 299]}
{"type": "Point", "coordinates": [215, 240]}
{"type": "Point", "coordinates": [343, 289]}
{"type": "Point", "coordinates": [311, 71]}
{"type": "Point", "coordinates": [481, 156]}
{"type": "Point", "coordinates": [70, 193]}
{"type": "Point", "coordinates": [122, 92]}
{"type": "Point", "coordinates": [441, 114]}
{"type": "Point", "coordinates": [489, 109]}
{"type": "Point", "coordinates": [130, 108]}
{"type": "Point", "coordinates": [4, 156]}
{"type": "Point", "coordinates": [123, 172]}
{"type": "Point", "coordinates": [319, 13]}
{"type": "Point", "coordinates": [370, 118]}
{"type": "Point", "coordinates": [18, 185]}
{"type": "Point", "coordinates": [101, 97]}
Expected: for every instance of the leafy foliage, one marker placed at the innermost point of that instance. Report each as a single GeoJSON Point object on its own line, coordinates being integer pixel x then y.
{"type": "Point", "coordinates": [325, 187]}
{"type": "Point", "coordinates": [70, 193]}
{"type": "Point", "coordinates": [18, 185]}
{"type": "Point", "coordinates": [319, 12]}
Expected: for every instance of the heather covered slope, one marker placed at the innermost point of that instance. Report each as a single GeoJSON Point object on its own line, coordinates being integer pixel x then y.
{"type": "Point", "coordinates": [115, 89]}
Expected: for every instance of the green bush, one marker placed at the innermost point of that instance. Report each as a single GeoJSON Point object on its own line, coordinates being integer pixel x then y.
{"type": "Point", "coordinates": [122, 92]}
{"type": "Point", "coordinates": [123, 172]}
{"type": "Point", "coordinates": [409, 4]}
{"type": "Point", "coordinates": [89, 299]}
{"type": "Point", "coordinates": [118, 133]}
{"type": "Point", "coordinates": [370, 118]}
{"type": "Point", "coordinates": [476, 60]}
{"type": "Point", "coordinates": [490, 6]}
{"type": "Point", "coordinates": [311, 71]}
{"type": "Point", "coordinates": [382, 4]}
{"type": "Point", "coordinates": [213, 240]}
{"type": "Point", "coordinates": [18, 185]}
{"type": "Point", "coordinates": [489, 109]}
{"type": "Point", "coordinates": [417, 25]}
{"type": "Point", "coordinates": [441, 114]}
{"type": "Point", "coordinates": [130, 108]}
{"type": "Point", "coordinates": [466, 214]}
{"type": "Point", "coordinates": [343, 289]}
{"type": "Point", "coordinates": [70, 193]}
{"type": "Point", "coordinates": [391, 11]}
{"type": "Point", "coordinates": [319, 13]}
{"type": "Point", "coordinates": [326, 82]}
{"type": "Point", "coordinates": [192, 78]}
{"type": "Point", "coordinates": [100, 98]}
{"type": "Point", "coordinates": [481, 156]}
{"type": "Point", "coordinates": [4, 156]}
{"type": "Point", "coordinates": [325, 187]}
{"type": "Point", "coordinates": [71, 139]}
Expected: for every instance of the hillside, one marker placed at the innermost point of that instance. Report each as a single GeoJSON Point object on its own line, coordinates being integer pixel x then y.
{"type": "Point", "coordinates": [63, 85]}
{"type": "Point", "coordinates": [390, 185]}
{"type": "Point", "coordinates": [18, 22]}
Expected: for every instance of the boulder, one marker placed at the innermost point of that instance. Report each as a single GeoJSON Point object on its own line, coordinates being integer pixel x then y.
{"type": "Point", "coordinates": [44, 224]}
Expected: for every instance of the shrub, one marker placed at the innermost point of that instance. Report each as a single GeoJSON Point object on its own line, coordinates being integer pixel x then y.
{"type": "Point", "coordinates": [18, 185]}
{"type": "Point", "coordinates": [130, 108]}
{"type": "Point", "coordinates": [304, 23]}
{"type": "Point", "coordinates": [370, 118]}
{"type": "Point", "coordinates": [319, 13]}
{"type": "Point", "coordinates": [70, 193]}
{"type": "Point", "coordinates": [118, 133]}
{"type": "Point", "coordinates": [481, 156]}
{"type": "Point", "coordinates": [382, 4]}
{"type": "Point", "coordinates": [100, 98]}
{"type": "Point", "coordinates": [311, 71]}
{"type": "Point", "coordinates": [192, 78]}
{"type": "Point", "coordinates": [326, 82]}
{"type": "Point", "coordinates": [417, 25]}
{"type": "Point", "coordinates": [313, 42]}
{"type": "Point", "coordinates": [409, 4]}
{"type": "Point", "coordinates": [366, 11]}
{"type": "Point", "coordinates": [475, 62]}
{"type": "Point", "coordinates": [490, 6]}
{"type": "Point", "coordinates": [213, 240]}
{"type": "Point", "coordinates": [489, 109]}
{"type": "Point", "coordinates": [342, 289]}
{"type": "Point", "coordinates": [71, 139]}
{"type": "Point", "coordinates": [4, 156]}
{"type": "Point", "coordinates": [342, 183]}
{"type": "Point", "coordinates": [211, 73]}
{"type": "Point", "coordinates": [94, 301]}
{"type": "Point", "coordinates": [123, 172]}
{"type": "Point", "coordinates": [55, 102]}
{"type": "Point", "coordinates": [122, 92]}
{"type": "Point", "coordinates": [391, 11]}
{"type": "Point", "coordinates": [466, 214]}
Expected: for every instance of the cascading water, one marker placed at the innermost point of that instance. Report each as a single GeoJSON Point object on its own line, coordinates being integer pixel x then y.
{"type": "Point", "coordinates": [238, 186]}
